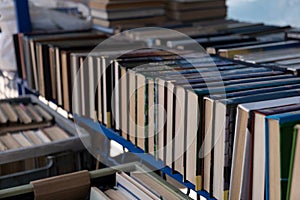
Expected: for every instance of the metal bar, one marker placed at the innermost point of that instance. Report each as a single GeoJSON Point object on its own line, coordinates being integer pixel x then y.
{"type": "Point", "coordinates": [10, 192]}
{"type": "Point", "coordinates": [22, 16]}
{"type": "Point", "coordinates": [25, 189]}
{"type": "Point", "coordinates": [147, 158]}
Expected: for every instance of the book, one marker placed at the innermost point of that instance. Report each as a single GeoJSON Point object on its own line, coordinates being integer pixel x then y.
{"type": "Point", "coordinates": [211, 13]}
{"type": "Point", "coordinates": [21, 116]}
{"type": "Point", "coordinates": [127, 14]}
{"type": "Point", "coordinates": [242, 151]}
{"type": "Point", "coordinates": [28, 41]}
{"type": "Point", "coordinates": [21, 139]}
{"type": "Point", "coordinates": [293, 179]}
{"type": "Point", "coordinates": [130, 23]}
{"type": "Point", "coordinates": [43, 113]}
{"type": "Point", "coordinates": [8, 140]}
{"type": "Point", "coordinates": [293, 34]}
{"type": "Point", "coordinates": [207, 124]}
{"type": "Point", "coordinates": [127, 184]}
{"type": "Point", "coordinates": [96, 194]}
{"type": "Point", "coordinates": [31, 110]}
{"type": "Point", "coordinates": [116, 194]}
{"type": "Point", "coordinates": [117, 6]}
{"type": "Point", "coordinates": [55, 133]}
{"type": "Point", "coordinates": [175, 5]}
{"type": "Point", "coordinates": [2, 146]}
{"type": "Point", "coordinates": [229, 53]}
{"type": "Point", "coordinates": [83, 44]}
{"type": "Point", "coordinates": [279, 129]}
{"type": "Point", "coordinates": [269, 56]}
{"type": "Point", "coordinates": [160, 188]}
{"type": "Point", "coordinates": [225, 145]}
{"type": "Point", "coordinates": [32, 137]}
{"type": "Point", "coordinates": [209, 41]}
{"type": "Point", "coordinates": [161, 141]}
{"type": "Point", "coordinates": [29, 163]}
{"type": "Point", "coordinates": [3, 118]}
{"type": "Point", "coordinates": [9, 111]}
{"type": "Point", "coordinates": [215, 48]}
{"type": "Point", "coordinates": [42, 136]}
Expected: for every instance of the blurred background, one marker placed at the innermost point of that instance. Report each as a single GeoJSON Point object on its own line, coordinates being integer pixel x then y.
{"type": "Point", "coordinates": [276, 12]}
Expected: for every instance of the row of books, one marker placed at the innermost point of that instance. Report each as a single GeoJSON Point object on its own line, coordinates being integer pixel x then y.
{"type": "Point", "coordinates": [32, 129]}
{"type": "Point", "coordinates": [127, 14]}
{"type": "Point", "coordinates": [16, 116]}
{"type": "Point", "coordinates": [43, 59]}
{"type": "Point", "coordinates": [264, 150]}
{"type": "Point", "coordinates": [151, 96]}
{"type": "Point", "coordinates": [29, 138]}
{"type": "Point", "coordinates": [45, 63]}
{"type": "Point", "coordinates": [128, 113]}
{"type": "Point", "coordinates": [36, 142]}
{"type": "Point", "coordinates": [143, 85]}
{"type": "Point", "coordinates": [211, 35]}
{"type": "Point", "coordinates": [283, 54]}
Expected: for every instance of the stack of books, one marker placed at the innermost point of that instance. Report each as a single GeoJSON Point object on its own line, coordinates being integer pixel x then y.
{"type": "Point", "coordinates": [127, 14]}
{"type": "Point", "coordinates": [196, 10]}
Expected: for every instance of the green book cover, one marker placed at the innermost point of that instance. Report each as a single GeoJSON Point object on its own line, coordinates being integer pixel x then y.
{"type": "Point", "coordinates": [286, 141]}
{"type": "Point", "coordinates": [292, 162]}
{"type": "Point", "coordinates": [286, 122]}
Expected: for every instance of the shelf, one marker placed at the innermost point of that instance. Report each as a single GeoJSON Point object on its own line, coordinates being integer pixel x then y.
{"type": "Point", "coordinates": [144, 157]}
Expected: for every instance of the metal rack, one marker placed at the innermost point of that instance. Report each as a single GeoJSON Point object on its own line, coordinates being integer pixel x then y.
{"type": "Point", "coordinates": [24, 25]}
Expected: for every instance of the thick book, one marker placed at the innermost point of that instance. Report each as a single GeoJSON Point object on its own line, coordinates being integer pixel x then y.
{"type": "Point", "coordinates": [293, 34]}
{"type": "Point", "coordinates": [124, 5]}
{"type": "Point", "coordinates": [96, 194]}
{"type": "Point", "coordinates": [201, 14]}
{"type": "Point", "coordinates": [279, 137]}
{"type": "Point", "coordinates": [270, 56]}
{"type": "Point", "coordinates": [208, 105]}
{"type": "Point", "coordinates": [224, 128]}
{"type": "Point", "coordinates": [259, 147]}
{"type": "Point", "coordinates": [230, 53]}
{"type": "Point", "coordinates": [127, 14]}
{"type": "Point", "coordinates": [188, 6]}
{"type": "Point", "coordinates": [293, 180]}
{"type": "Point", "coordinates": [130, 23]}
{"type": "Point", "coordinates": [243, 147]}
